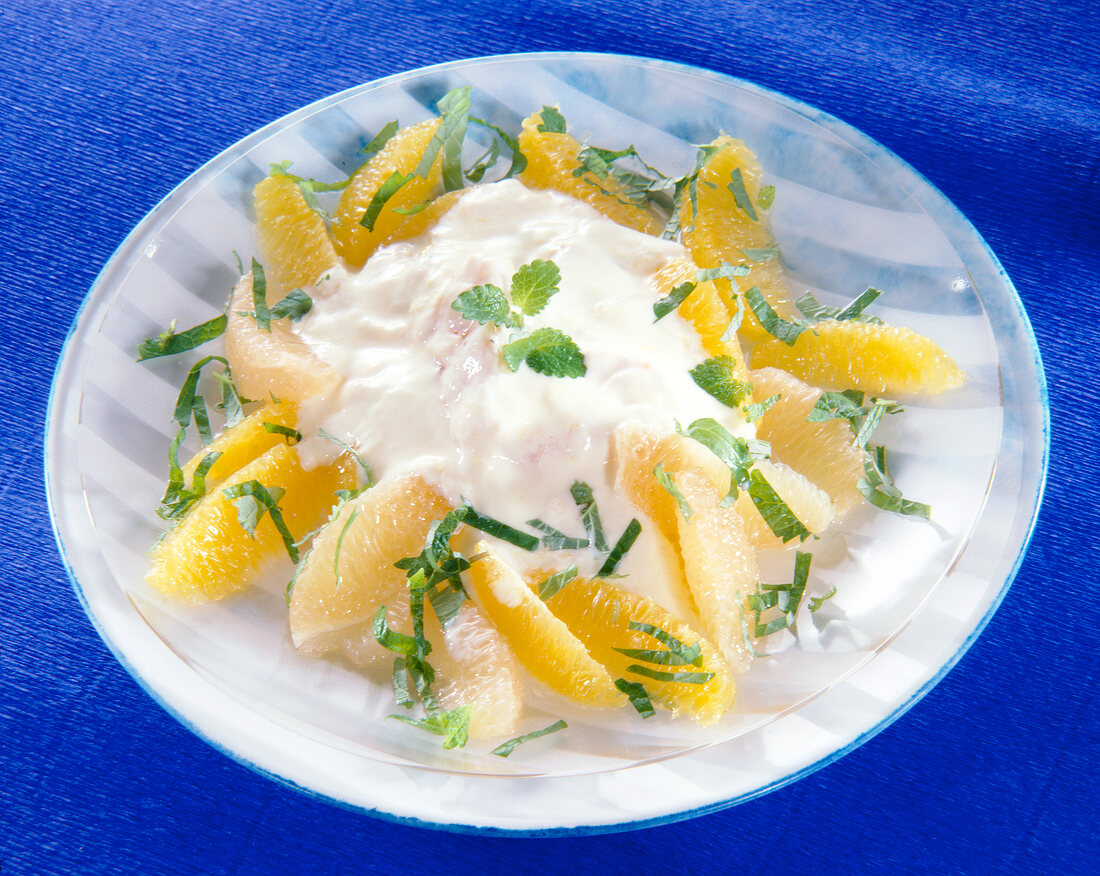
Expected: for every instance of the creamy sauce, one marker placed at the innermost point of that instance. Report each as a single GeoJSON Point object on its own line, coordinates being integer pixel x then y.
{"type": "Point", "coordinates": [423, 389]}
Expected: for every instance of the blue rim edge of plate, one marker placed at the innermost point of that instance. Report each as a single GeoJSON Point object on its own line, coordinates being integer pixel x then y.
{"type": "Point", "coordinates": [832, 123]}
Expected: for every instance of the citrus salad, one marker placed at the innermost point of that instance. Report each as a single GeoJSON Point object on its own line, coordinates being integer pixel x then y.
{"type": "Point", "coordinates": [528, 428]}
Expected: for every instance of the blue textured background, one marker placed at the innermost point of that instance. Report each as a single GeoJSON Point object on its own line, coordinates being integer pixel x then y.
{"type": "Point", "coordinates": [107, 105]}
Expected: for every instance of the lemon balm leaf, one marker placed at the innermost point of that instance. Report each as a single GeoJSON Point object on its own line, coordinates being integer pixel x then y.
{"type": "Point", "coordinates": [736, 185]}
{"type": "Point", "coordinates": [716, 376]}
{"type": "Point", "coordinates": [553, 122]}
{"type": "Point", "coordinates": [453, 726]}
{"type": "Point", "coordinates": [765, 197]}
{"type": "Point", "coordinates": [846, 405]}
{"type": "Point", "coordinates": [171, 342]}
{"type": "Point", "coordinates": [252, 499]}
{"type": "Point", "coordinates": [553, 584]}
{"type": "Point", "coordinates": [666, 481]}
{"type": "Point", "coordinates": [506, 748]}
{"type": "Point", "coordinates": [639, 697]}
{"type": "Point", "coordinates": [533, 285]}
{"type": "Point", "coordinates": [293, 306]}
{"type": "Point", "coordinates": [756, 410]}
{"type": "Point", "coordinates": [484, 304]}
{"type": "Point", "coordinates": [547, 351]}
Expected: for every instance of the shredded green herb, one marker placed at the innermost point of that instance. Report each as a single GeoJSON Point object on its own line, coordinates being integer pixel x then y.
{"type": "Point", "coordinates": [506, 748]}
{"type": "Point", "coordinates": [170, 343]}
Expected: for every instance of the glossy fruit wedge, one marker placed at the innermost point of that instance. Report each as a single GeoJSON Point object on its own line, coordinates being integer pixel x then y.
{"type": "Point", "coordinates": [543, 643]}
{"type": "Point", "coordinates": [354, 241]}
{"type": "Point", "coordinates": [243, 442]}
{"type": "Point", "coordinates": [209, 554]}
{"type": "Point", "coordinates": [880, 359]}
{"type": "Point", "coordinates": [271, 364]}
{"type": "Point", "coordinates": [600, 614]}
{"type": "Point", "coordinates": [294, 245]}
{"type": "Point", "coordinates": [551, 160]}
{"type": "Point", "coordinates": [811, 505]}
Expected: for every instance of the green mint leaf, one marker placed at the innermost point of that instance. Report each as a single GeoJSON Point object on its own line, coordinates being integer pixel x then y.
{"type": "Point", "coordinates": [340, 544]}
{"type": "Point", "coordinates": [179, 499]}
{"type": "Point", "coordinates": [879, 407]}
{"type": "Point", "coordinates": [519, 160]}
{"type": "Point", "coordinates": [814, 311]}
{"type": "Point", "coordinates": [251, 499]}
{"type": "Point", "coordinates": [483, 163]}
{"type": "Point", "coordinates": [293, 436]}
{"type": "Point", "coordinates": [506, 748]}
{"type": "Point", "coordinates": [765, 197]}
{"type": "Point", "coordinates": [677, 677]}
{"type": "Point", "coordinates": [556, 540]}
{"type": "Point", "coordinates": [673, 300]}
{"type": "Point", "coordinates": [552, 121]}
{"type": "Point", "coordinates": [724, 271]}
{"type": "Point", "coordinates": [880, 490]}
{"type": "Point", "coordinates": [454, 107]}
{"type": "Point", "coordinates": [590, 514]}
{"type": "Point", "coordinates": [261, 313]}
{"type": "Point", "coordinates": [389, 639]}
{"type": "Point", "coordinates": [639, 698]}
{"type": "Point", "coordinates": [232, 402]}
{"type": "Point", "coordinates": [624, 544]}
{"type": "Point", "coordinates": [185, 401]}
{"type": "Point", "coordinates": [550, 586]}
{"type": "Point", "coordinates": [379, 140]}
{"type": "Point", "coordinates": [368, 475]}
{"type": "Point", "coordinates": [737, 186]}
{"type": "Point", "coordinates": [485, 304]}
{"type": "Point", "coordinates": [394, 182]}
{"type": "Point", "coordinates": [547, 351]}
{"type": "Point", "coordinates": [756, 410]}
{"type": "Point", "coordinates": [666, 481]}
{"type": "Point", "coordinates": [599, 161]}
{"type": "Point", "coordinates": [447, 599]}
{"type": "Point", "coordinates": [453, 726]}
{"type": "Point", "coordinates": [817, 602]}
{"type": "Point", "coordinates": [734, 451]}
{"type": "Point", "coordinates": [856, 308]}
{"type": "Point", "coordinates": [716, 376]}
{"type": "Point", "coordinates": [170, 342]}
{"type": "Point", "coordinates": [692, 654]}
{"type": "Point", "coordinates": [415, 208]}
{"type": "Point", "coordinates": [771, 321]}
{"type": "Point", "coordinates": [764, 254]}
{"type": "Point", "coordinates": [293, 306]}
{"type": "Point", "coordinates": [495, 528]}
{"type": "Point", "coordinates": [533, 285]}
{"type": "Point", "coordinates": [400, 681]}
{"type": "Point", "coordinates": [777, 514]}
{"type": "Point", "coordinates": [846, 405]}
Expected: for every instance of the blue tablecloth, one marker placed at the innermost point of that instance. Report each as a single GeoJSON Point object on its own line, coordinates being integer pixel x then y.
{"type": "Point", "coordinates": [107, 105]}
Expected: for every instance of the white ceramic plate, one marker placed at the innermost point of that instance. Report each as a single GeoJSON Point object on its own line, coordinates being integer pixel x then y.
{"type": "Point", "coordinates": [911, 596]}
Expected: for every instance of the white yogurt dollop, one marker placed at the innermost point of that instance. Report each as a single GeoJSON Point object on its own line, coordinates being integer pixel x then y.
{"type": "Point", "coordinates": [426, 390]}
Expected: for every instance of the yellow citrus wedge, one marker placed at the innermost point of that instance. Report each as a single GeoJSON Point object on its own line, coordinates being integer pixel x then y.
{"type": "Point", "coordinates": [825, 452]}
{"type": "Point", "coordinates": [349, 571]}
{"type": "Point", "coordinates": [243, 442]}
{"type": "Point", "coordinates": [209, 555]}
{"type": "Point", "coordinates": [353, 240]}
{"type": "Point", "coordinates": [551, 160]}
{"type": "Point", "coordinates": [276, 363]}
{"type": "Point", "coordinates": [811, 505]}
{"type": "Point", "coordinates": [705, 309]}
{"type": "Point", "coordinates": [292, 239]}
{"type": "Point", "coordinates": [722, 229]}
{"type": "Point", "coordinates": [542, 642]}
{"type": "Point", "coordinates": [881, 359]}
{"type": "Point", "coordinates": [600, 614]}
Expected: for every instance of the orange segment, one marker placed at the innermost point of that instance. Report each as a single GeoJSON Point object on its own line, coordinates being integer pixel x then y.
{"type": "Point", "coordinates": [811, 505]}
{"type": "Point", "coordinates": [542, 642]}
{"type": "Point", "coordinates": [881, 359]}
{"type": "Point", "coordinates": [242, 443]}
{"type": "Point", "coordinates": [551, 160]}
{"type": "Point", "coordinates": [354, 241]}
{"type": "Point", "coordinates": [276, 363]}
{"type": "Point", "coordinates": [600, 614]}
{"type": "Point", "coordinates": [294, 245]}
{"type": "Point", "coordinates": [209, 555]}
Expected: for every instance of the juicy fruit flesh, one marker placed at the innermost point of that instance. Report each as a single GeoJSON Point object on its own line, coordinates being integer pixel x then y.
{"type": "Point", "coordinates": [209, 555]}
{"type": "Point", "coordinates": [242, 443]}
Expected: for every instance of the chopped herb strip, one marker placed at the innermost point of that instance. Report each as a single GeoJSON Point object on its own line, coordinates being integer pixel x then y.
{"type": "Point", "coordinates": [547, 351]}
{"type": "Point", "coordinates": [556, 540]}
{"type": "Point", "coordinates": [483, 163]}
{"type": "Point", "coordinates": [533, 284]}
{"type": "Point", "coordinates": [179, 499]}
{"type": "Point", "coordinates": [765, 197]}
{"type": "Point", "coordinates": [737, 186]}
{"type": "Point", "coordinates": [454, 109]}
{"type": "Point", "coordinates": [879, 489]}
{"type": "Point", "coordinates": [340, 545]}
{"type": "Point", "coordinates": [688, 185]}
{"type": "Point", "coordinates": [599, 161]}
{"type": "Point", "coordinates": [252, 499]}
{"type": "Point", "coordinates": [673, 300]}
{"type": "Point", "coordinates": [232, 403]}
{"type": "Point", "coordinates": [379, 140]}
{"type": "Point", "coordinates": [453, 726]}
{"type": "Point", "coordinates": [202, 419]}
{"type": "Point", "coordinates": [394, 182]}
{"type": "Point", "coordinates": [495, 528]}
{"type": "Point", "coordinates": [486, 303]}
{"type": "Point", "coordinates": [447, 599]}
{"type": "Point", "coordinates": [260, 311]}
{"type": "Point", "coordinates": [856, 308]}
{"type": "Point", "coordinates": [687, 654]}
{"type": "Point", "coordinates": [725, 271]}
{"type": "Point", "coordinates": [551, 121]}
{"type": "Point", "coordinates": [389, 639]}
{"type": "Point", "coordinates": [756, 410]}
{"type": "Point", "coordinates": [676, 677]}
{"type": "Point", "coordinates": [846, 405]}
{"type": "Point", "coordinates": [506, 748]}
{"type": "Point", "coordinates": [170, 342]}
{"type": "Point", "coordinates": [415, 208]}
{"type": "Point", "coordinates": [764, 254]}
{"type": "Point", "coordinates": [590, 514]}
{"type": "Point", "coordinates": [639, 698]}
{"type": "Point", "coordinates": [293, 436]}
{"type": "Point", "coordinates": [717, 376]}
{"type": "Point", "coordinates": [786, 597]}
{"type": "Point", "coordinates": [771, 321]}
{"type": "Point", "coordinates": [624, 544]}
{"type": "Point", "coordinates": [519, 160]}
{"type": "Point", "coordinates": [401, 696]}
{"type": "Point", "coordinates": [666, 481]}
{"type": "Point", "coordinates": [368, 475]}
{"type": "Point", "coordinates": [550, 586]}
{"type": "Point", "coordinates": [817, 602]}
{"type": "Point", "coordinates": [777, 514]}
{"type": "Point", "coordinates": [746, 635]}
{"type": "Point", "coordinates": [813, 310]}
{"type": "Point", "coordinates": [734, 451]}
{"type": "Point", "coordinates": [293, 306]}
{"type": "Point", "coordinates": [185, 401]}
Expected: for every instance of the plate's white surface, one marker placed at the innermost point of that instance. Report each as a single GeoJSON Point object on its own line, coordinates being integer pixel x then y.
{"type": "Point", "coordinates": [848, 214]}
